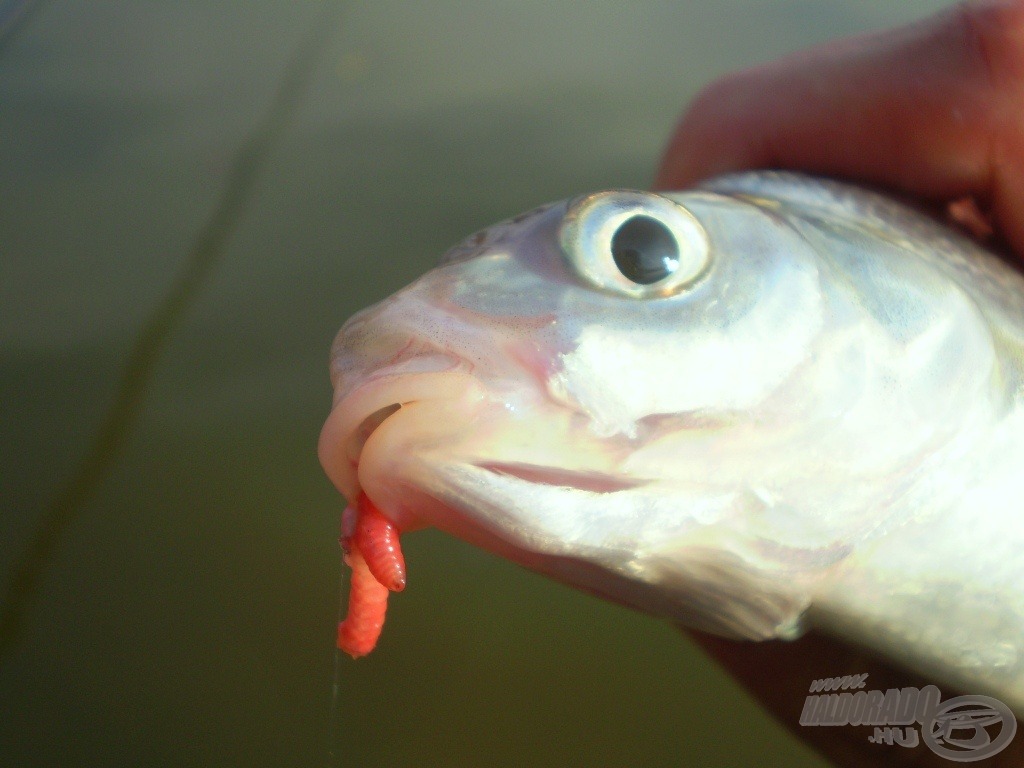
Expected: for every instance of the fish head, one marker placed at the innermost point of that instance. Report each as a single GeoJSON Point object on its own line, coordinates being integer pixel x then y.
{"type": "Point", "coordinates": [649, 397]}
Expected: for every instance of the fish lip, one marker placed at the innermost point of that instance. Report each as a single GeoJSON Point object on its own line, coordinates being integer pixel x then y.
{"type": "Point", "coordinates": [350, 422]}
{"type": "Point", "coordinates": [380, 394]}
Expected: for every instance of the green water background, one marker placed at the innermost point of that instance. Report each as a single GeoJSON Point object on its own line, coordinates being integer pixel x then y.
{"type": "Point", "coordinates": [193, 197]}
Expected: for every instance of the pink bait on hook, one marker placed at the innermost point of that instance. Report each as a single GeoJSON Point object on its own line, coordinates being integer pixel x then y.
{"type": "Point", "coordinates": [372, 551]}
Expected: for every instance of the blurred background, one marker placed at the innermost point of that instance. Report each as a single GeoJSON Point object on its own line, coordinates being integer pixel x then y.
{"type": "Point", "coordinates": [193, 197]}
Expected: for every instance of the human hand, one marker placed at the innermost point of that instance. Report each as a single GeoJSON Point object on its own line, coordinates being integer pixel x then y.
{"type": "Point", "coordinates": [934, 111]}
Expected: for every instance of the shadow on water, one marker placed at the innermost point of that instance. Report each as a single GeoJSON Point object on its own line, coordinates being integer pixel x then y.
{"type": "Point", "coordinates": [145, 353]}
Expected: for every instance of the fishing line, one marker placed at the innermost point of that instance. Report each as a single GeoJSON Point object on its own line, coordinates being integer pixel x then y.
{"type": "Point", "coordinates": [167, 316]}
{"type": "Point", "coordinates": [334, 751]}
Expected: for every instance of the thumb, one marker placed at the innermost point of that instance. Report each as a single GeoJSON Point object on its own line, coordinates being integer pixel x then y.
{"type": "Point", "coordinates": [932, 110]}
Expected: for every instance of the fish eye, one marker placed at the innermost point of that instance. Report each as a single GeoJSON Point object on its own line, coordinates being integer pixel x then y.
{"type": "Point", "coordinates": [644, 250]}
{"type": "Point", "coordinates": [633, 243]}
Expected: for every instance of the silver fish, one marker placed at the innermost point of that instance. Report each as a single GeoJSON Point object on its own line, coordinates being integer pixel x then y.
{"type": "Point", "coordinates": [768, 404]}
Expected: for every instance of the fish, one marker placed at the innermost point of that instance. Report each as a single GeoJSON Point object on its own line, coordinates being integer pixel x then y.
{"type": "Point", "coordinates": [767, 404]}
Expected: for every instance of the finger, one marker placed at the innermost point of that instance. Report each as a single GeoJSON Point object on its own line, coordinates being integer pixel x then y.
{"type": "Point", "coordinates": [933, 110]}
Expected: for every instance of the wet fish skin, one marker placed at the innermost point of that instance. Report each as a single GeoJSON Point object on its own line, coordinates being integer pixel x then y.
{"type": "Point", "coordinates": [818, 425]}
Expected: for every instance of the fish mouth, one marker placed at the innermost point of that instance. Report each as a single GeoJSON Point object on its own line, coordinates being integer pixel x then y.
{"type": "Point", "coordinates": [401, 440]}
{"type": "Point", "coordinates": [369, 406]}
{"type": "Point", "coordinates": [390, 423]}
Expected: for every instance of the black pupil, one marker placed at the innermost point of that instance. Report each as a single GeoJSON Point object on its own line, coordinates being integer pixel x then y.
{"type": "Point", "coordinates": [645, 250]}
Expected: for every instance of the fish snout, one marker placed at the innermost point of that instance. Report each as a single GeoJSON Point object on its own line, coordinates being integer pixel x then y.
{"type": "Point", "coordinates": [373, 386]}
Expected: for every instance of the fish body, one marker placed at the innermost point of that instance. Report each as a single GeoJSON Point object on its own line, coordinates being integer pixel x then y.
{"type": "Point", "coordinates": [767, 404]}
